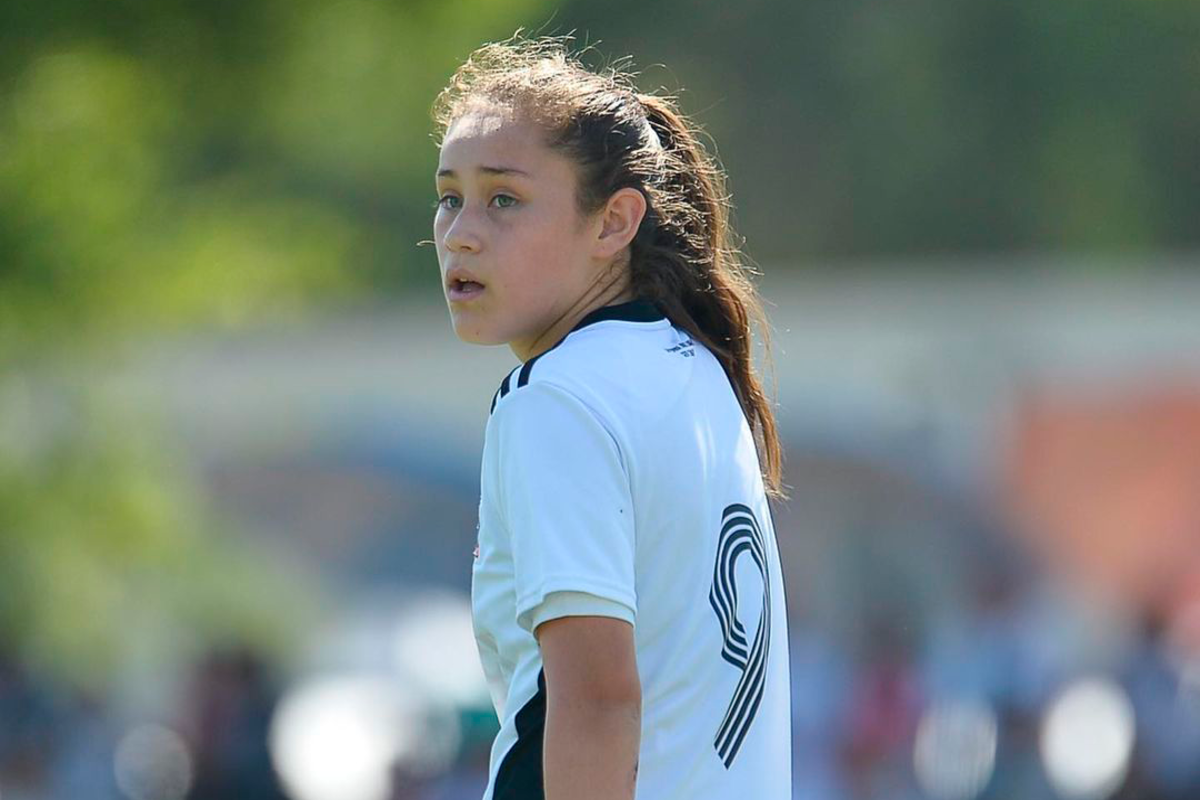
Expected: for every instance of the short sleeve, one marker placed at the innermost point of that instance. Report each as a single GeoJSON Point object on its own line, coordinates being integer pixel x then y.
{"type": "Point", "coordinates": [565, 497]}
{"type": "Point", "coordinates": [576, 604]}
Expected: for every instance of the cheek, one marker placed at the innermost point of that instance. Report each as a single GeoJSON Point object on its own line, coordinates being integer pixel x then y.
{"type": "Point", "coordinates": [551, 252]}
{"type": "Point", "coordinates": [520, 289]}
{"type": "Point", "coordinates": [532, 255]}
{"type": "Point", "coordinates": [534, 266]}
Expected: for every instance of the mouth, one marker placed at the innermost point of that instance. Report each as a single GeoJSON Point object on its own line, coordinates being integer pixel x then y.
{"type": "Point", "coordinates": [460, 290]}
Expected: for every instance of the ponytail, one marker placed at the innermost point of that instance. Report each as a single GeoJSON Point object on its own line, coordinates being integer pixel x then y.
{"type": "Point", "coordinates": [691, 268]}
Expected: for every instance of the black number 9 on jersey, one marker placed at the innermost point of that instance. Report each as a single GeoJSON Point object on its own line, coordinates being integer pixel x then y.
{"type": "Point", "coordinates": [740, 533]}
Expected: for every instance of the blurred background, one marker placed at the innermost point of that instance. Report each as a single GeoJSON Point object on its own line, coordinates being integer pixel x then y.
{"type": "Point", "coordinates": [239, 442]}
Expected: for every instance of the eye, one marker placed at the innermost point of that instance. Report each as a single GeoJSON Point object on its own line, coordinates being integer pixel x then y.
{"type": "Point", "coordinates": [444, 200]}
{"type": "Point", "coordinates": [505, 197]}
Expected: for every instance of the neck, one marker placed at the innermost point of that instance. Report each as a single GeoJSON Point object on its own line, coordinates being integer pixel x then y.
{"type": "Point", "coordinates": [563, 325]}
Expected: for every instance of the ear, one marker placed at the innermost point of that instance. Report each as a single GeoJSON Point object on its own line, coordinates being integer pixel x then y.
{"type": "Point", "coordinates": [619, 221]}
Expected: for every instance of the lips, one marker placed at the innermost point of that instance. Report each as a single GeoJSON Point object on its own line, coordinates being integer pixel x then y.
{"type": "Point", "coordinates": [462, 285]}
{"type": "Point", "coordinates": [464, 290]}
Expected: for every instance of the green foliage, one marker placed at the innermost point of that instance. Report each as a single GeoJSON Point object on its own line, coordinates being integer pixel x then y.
{"type": "Point", "coordinates": [168, 166]}
{"type": "Point", "coordinates": [106, 542]}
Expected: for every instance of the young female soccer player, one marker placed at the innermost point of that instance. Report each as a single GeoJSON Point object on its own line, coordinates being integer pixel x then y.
{"type": "Point", "coordinates": [627, 596]}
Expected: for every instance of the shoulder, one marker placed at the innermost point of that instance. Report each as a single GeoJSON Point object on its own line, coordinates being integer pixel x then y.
{"type": "Point", "coordinates": [605, 367]}
{"type": "Point", "coordinates": [568, 372]}
{"type": "Point", "coordinates": [552, 399]}
{"type": "Point", "coordinates": [548, 440]}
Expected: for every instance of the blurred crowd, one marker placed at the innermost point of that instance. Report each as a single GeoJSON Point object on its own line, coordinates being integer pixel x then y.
{"type": "Point", "coordinates": [962, 712]}
{"type": "Point", "coordinates": [57, 742]}
{"type": "Point", "coordinates": [972, 711]}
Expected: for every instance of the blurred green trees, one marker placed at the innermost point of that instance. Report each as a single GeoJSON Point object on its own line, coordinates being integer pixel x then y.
{"type": "Point", "coordinates": [869, 129]}
{"type": "Point", "coordinates": [176, 165]}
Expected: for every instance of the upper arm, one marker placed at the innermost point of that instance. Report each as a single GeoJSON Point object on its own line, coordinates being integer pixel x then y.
{"type": "Point", "coordinates": [590, 657]}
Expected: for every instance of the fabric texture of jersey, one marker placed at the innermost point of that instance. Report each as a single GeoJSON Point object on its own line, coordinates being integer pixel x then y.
{"type": "Point", "coordinates": [620, 479]}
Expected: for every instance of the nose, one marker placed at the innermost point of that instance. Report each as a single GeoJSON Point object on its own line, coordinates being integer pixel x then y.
{"type": "Point", "coordinates": [462, 233]}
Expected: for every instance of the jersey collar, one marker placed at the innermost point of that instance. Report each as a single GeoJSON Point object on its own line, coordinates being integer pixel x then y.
{"type": "Point", "coordinates": [636, 310]}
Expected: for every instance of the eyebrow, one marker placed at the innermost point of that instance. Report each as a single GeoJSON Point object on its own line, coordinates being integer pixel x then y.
{"type": "Point", "coordinates": [449, 173]}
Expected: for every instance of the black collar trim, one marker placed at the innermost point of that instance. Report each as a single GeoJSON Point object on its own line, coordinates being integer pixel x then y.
{"type": "Point", "coordinates": [637, 310]}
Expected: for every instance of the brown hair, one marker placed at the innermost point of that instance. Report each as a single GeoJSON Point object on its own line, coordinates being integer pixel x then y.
{"type": "Point", "coordinates": [683, 257]}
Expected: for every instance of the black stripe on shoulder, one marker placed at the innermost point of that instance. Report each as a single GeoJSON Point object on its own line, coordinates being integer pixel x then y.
{"type": "Point", "coordinates": [520, 774]}
{"type": "Point", "coordinates": [527, 368]}
{"type": "Point", "coordinates": [505, 386]}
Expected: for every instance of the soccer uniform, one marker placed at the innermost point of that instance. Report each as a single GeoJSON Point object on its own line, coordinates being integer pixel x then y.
{"type": "Point", "coordinates": [620, 479]}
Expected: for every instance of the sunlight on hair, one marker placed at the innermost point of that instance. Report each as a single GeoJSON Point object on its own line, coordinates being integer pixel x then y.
{"type": "Point", "coordinates": [955, 750]}
{"type": "Point", "coordinates": [1087, 739]}
{"type": "Point", "coordinates": [152, 762]}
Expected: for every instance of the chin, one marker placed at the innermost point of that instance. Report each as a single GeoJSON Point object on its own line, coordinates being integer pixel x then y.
{"type": "Point", "coordinates": [474, 334]}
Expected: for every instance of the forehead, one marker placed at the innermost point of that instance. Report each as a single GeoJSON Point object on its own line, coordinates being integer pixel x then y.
{"type": "Point", "coordinates": [494, 137]}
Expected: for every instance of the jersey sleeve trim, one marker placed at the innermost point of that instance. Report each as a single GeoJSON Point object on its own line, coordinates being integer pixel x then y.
{"type": "Point", "coordinates": [577, 604]}
{"type": "Point", "coordinates": [607, 595]}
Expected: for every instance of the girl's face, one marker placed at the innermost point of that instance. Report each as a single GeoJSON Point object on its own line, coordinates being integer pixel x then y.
{"type": "Point", "coordinates": [515, 255]}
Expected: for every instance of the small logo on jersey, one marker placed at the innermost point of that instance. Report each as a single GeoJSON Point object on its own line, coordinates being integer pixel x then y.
{"type": "Point", "coordinates": [684, 348]}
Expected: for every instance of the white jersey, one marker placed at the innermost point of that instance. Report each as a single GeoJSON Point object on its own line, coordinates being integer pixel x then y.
{"type": "Point", "coordinates": [620, 479]}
